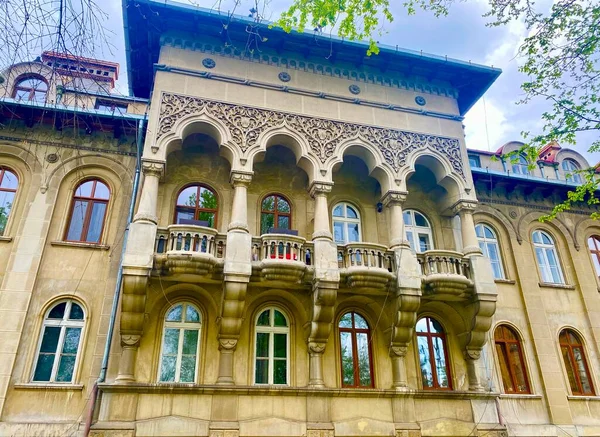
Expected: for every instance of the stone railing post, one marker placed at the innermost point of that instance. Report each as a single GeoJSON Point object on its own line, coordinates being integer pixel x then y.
{"type": "Point", "coordinates": [237, 271]}
{"type": "Point", "coordinates": [325, 284]}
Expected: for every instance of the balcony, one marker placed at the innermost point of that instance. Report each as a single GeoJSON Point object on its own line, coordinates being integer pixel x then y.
{"type": "Point", "coordinates": [366, 265]}
{"type": "Point", "coordinates": [446, 275]}
{"type": "Point", "coordinates": [281, 257]}
{"type": "Point", "coordinates": [188, 251]}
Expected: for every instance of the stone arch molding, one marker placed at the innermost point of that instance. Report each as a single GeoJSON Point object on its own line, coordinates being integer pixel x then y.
{"type": "Point", "coordinates": [242, 130]}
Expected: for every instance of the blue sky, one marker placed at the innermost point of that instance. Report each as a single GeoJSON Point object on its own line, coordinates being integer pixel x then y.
{"type": "Point", "coordinates": [493, 121]}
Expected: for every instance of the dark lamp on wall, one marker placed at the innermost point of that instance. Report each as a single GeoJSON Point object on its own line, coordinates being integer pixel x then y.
{"type": "Point", "coordinates": [379, 206]}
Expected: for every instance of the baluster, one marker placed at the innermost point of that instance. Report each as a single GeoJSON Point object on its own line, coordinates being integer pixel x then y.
{"type": "Point", "coordinates": [179, 241]}
{"type": "Point", "coordinates": [160, 245]}
{"type": "Point", "coordinates": [220, 249]}
{"type": "Point", "coordinates": [307, 258]}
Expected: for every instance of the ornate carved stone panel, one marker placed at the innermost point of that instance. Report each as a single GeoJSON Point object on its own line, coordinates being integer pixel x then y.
{"type": "Point", "coordinates": [324, 136]}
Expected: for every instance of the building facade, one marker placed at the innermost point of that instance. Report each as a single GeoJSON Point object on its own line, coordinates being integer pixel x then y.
{"type": "Point", "coordinates": [313, 252]}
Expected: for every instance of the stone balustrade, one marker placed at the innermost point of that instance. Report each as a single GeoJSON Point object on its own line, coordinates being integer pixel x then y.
{"type": "Point", "coordinates": [366, 265]}
{"type": "Point", "coordinates": [446, 274]}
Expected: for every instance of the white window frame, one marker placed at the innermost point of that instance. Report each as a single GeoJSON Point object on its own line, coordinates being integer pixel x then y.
{"type": "Point", "coordinates": [271, 330]}
{"type": "Point", "coordinates": [521, 166]}
{"type": "Point", "coordinates": [416, 230]}
{"type": "Point", "coordinates": [345, 221]}
{"type": "Point", "coordinates": [572, 167]}
{"type": "Point", "coordinates": [63, 324]}
{"type": "Point", "coordinates": [181, 326]}
{"type": "Point", "coordinates": [546, 263]}
{"type": "Point", "coordinates": [485, 241]}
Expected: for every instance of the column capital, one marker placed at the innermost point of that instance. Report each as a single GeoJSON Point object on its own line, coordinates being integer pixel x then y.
{"type": "Point", "coordinates": [394, 197]}
{"type": "Point", "coordinates": [153, 168]}
{"type": "Point", "coordinates": [464, 206]}
{"type": "Point", "coordinates": [237, 177]}
{"type": "Point", "coordinates": [320, 188]}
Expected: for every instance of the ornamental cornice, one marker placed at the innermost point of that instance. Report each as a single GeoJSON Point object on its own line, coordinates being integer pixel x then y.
{"type": "Point", "coordinates": [394, 197]}
{"type": "Point", "coordinates": [240, 177]}
{"type": "Point", "coordinates": [320, 188]}
{"type": "Point", "coordinates": [468, 206]}
{"type": "Point", "coordinates": [246, 125]}
{"type": "Point", "coordinates": [154, 168]}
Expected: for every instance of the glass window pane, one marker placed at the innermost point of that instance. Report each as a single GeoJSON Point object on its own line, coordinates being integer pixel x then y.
{"type": "Point", "coordinates": [267, 221]}
{"type": "Point", "coordinates": [280, 346]}
{"type": "Point", "coordinates": [77, 220]}
{"type": "Point", "coordinates": [505, 369]}
{"type": "Point", "coordinates": [191, 315]}
{"type": "Point", "coordinates": [183, 214]}
{"type": "Point", "coordinates": [338, 232]}
{"type": "Point", "coordinates": [440, 362]}
{"type": "Point", "coordinates": [263, 319]}
{"type": "Point", "coordinates": [280, 372]}
{"type": "Point", "coordinates": [171, 341]}
{"type": "Point", "coordinates": [420, 220]}
{"type": "Point", "coordinates": [351, 212]}
{"type": "Point", "coordinates": [570, 370]}
{"type": "Point", "coordinates": [71, 342]}
{"type": "Point", "coordinates": [583, 375]}
{"type": "Point", "coordinates": [592, 243]}
{"type": "Point", "coordinates": [102, 191]}
{"type": "Point", "coordinates": [283, 205]}
{"type": "Point", "coordinates": [208, 199]}
{"type": "Point", "coordinates": [76, 312]}
{"type": "Point", "coordinates": [96, 222]}
{"type": "Point", "coordinates": [188, 196]}
{"type": "Point", "coordinates": [596, 261]}
{"type": "Point", "coordinates": [364, 364]}
{"type": "Point", "coordinates": [66, 367]}
{"type": "Point", "coordinates": [85, 189]}
{"type": "Point", "coordinates": [408, 218]}
{"type": "Point", "coordinates": [9, 180]}
{"type": "Point", "coordinates": [536, 237]}
{"type": "Point", "coordinates": [346, 321]}
{"type": "Point", "coordinates": [43, 368]}
{"type": "Point", "coordinates": [58, 311]}
{"type": "Point", "coordinates": [22, 94]}
{"type": "Point", "coordinates": [6, 202]}
{"type": "Point", "coordinates": [207, 217]}
{"type": "Point", "coordinates": [435, 326]}
{"type": "Point", "coordinates": [479, 231]}
{"type": "Point", "coordinates": [188, 368]}
{"type": "Point", "coordinates": [422, 325]}
{"type": "Point", "coordinates": [546, 239]}
{"type": "Point", "coordinates": [262, 344]}
{"type": "Point", "coordinates": [425, 361]}
{"type": "Point", "coordinates": [283, 222]}
{"type": "Point", "coordinates": [50, 339]}
{"type": "Point", "coordinates": [268, 203]}
{"type": "Point", "coordinates": [280, 319]}
{"type": "Point", "coordinates": [353, 233]}
{"type": "Point", "coordinates": [347, 358]}
{"type": "Point", "coordinates": [190, 341]}
{"type": "Point", "coordinates": [411, 240]}
{"type": "Point", "coordinates": [424, 244]}
{"type": "Point", "coordinates": [518, 367]}
{"type": "Point", "coordinates": [360, 322]}
{"type": "Point", "coordinates": [167, 369]}
{"type": "Point", "coordinates": [261, 374]}
{"type": "Point", "coordinates": [174, 315]}
{"type": "Point", "coordinates": [338, 211]}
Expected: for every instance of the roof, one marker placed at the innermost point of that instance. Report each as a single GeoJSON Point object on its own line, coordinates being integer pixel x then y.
{"type": "Point", "coordinates": [146, 20]}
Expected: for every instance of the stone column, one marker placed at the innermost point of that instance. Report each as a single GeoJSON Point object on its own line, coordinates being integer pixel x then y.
{"type": "Point", "coordinates": [237, 271]}
{"type": "Point", "coordinates": [325, 284]}
{"type": "Point", "coordinates": [146, 211]}
{"type": "Point", "coordinates": [393, 201]}
{"type": "Point", "coordinates": [465, 210]}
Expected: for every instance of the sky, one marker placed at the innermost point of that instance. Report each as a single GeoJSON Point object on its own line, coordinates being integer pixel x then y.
{"type": "Point", "coordinates": [493, 121]}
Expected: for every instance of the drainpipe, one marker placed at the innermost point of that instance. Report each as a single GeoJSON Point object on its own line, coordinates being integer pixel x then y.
{"type": "Point", "coordinates": [117, 293]}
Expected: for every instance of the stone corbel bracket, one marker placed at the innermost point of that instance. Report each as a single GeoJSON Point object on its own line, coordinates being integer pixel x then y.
{"type": "Point", "coordinates": [323, 311]}
{"type": "Point", "coordinates": [133, 305]}
{"type": "Point", "coordinates": [483, 309]}
{"type": "Point", "coordinates": [232, 311]}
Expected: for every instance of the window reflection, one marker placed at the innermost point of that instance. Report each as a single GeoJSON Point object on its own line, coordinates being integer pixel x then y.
{"type": "Point", "coordinates": [433, 355]}
{"type": "Point", "coordinates": [355, 351]}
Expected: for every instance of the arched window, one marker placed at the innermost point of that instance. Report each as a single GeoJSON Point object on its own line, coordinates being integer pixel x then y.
{"type": "Point", "coordinates": [272, 345]}
{"type": "Point", "coordinates": [576, 365]}
{"type": "Point", "coordinates": [346, 223]}
{"type": "Point", "coordinates": [488, 243]}
{"type": "Point", "coordinates": [275, 212]}
{"type": "Point", "coordinates": [570, 167]}
{"type": "Point", "coordinates": [521, 166]}
{"type": "Point", "coordinates": [512, 364]}
{"type": "Point", "coordinates": [355, 351]}
{"type": "Point", "coordinates": [8, 190]}
{"type": "Point", "coordinates": [594, 245]}
{"type": "Point", "coordinates": [88, 212]}
{"type": "Point", "coordinates": [418, 231]}
{"type": "Point", "coordinates": [197, 203]}
{"type": "Point", "coordinates": [60, 343]}
{"type": "Point", "coordinates": [31, 88]}
{"type": "Point", "coordinates": [547, 258]}
{"type": "Point", "coordinates": [180, 344]}
{"type": "Point", "coordinates": [433, 354]}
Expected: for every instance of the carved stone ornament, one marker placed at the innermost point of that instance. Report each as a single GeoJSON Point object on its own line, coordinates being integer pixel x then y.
{"type": "Point", "coordinates": [420, 100]}
{"type": "Point", "coordinates": [284, 76]}
{"type": "Point", "coordinates": [393, 197]}
{"type": "Point", "coordinates": [246, 124]}
{"type": "Point", "coordinates": [316, 348]}
{"type": "Point", "coordinates": [464, 206]}
{"type": "Point", "coordinates": [227, 343]}
{"type": "Point", "coordinates": [130, 340]}
{"type": "Point", "coordinates": [399, 351]}
{"type": "Point", "coordinates": [153, 168]}
{"type": "Point", "coordinates": [320, 188]}
{"type": "Point", "coordinates": [209, 63]}
{"type": "Point", "coordinates": [354, 89]}
{"type": "Point", "coordinates": [239, 177]}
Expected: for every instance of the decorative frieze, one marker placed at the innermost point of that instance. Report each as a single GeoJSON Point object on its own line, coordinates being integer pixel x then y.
{"type": "Point", "coordinates": [324, 136]}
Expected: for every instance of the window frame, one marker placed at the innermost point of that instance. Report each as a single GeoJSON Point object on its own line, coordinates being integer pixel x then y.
{"type": "Point", "coordinates": [276, 213]}
{"type": "Point", "coordinates": [416, 230]}
{"type": "Point", "coordinates": [545, 247]}
{"type": "Point", "coordinates": [272, 330]}
{"type": "Point", "coordinates": [429, 336]}
{"type": "Point", "coordinates": [197, 209]}
{"type": "Point", "coordinates": [575, 177]}
{"type": "Point", "coordinates": [3, 171]}
{"type": "Point", "coordinates": [181, 326]}
{"type": "Point", "coordinates": [88, 213]}
{"type": "Point", "coordinates": [505, 344]}
{"type": "Point", "coordinates": [595, 252]}
{"type": "Point", "coordinates": [63, 324]}
{"type": "Point", "coordinates": [345, 221]}
{"type": "Point", "coordinates": [475, 159]}
{"type": "Point", "coordinates": [520, 164]}
{"type": "Point", "coordinates": [353, 331]}
{"type": "Point", "coordinates": [486, 240]}
{"type": "Point", "coordinates": [570, 346]}
{"type": "Point", "coordinates": [32, 91]}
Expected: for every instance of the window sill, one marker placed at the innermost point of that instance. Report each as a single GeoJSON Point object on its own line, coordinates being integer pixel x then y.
{"type": "Point", "coordinates": [48, 386]}
{"type": "Point", "coordinates": [505, 281]}
{"type": "Point", "coordinates": [82, 245]}
{"type": "Point", "coordinates": [584, 398]}
{"type": "Point", "coordinates": [518, 396]}
{"type": "Point", "coordinates": [560, 286]}
{"type": "Point", "coordinates": [6, 239]}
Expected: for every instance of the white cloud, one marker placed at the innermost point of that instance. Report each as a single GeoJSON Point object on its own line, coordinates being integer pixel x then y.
{"type": "Point", "coordinates": [485, 126]}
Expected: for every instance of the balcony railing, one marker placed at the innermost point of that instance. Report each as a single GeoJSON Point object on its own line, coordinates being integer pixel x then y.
{"type": "Point", "coordinates": [444, 261]}
{"type": "Point", "coordinates": [366, 255]}
{"type": "Point", "coordinates": [190, 239]}
{"type": "Point", "coordinates": [446, 275]}
{"type": "Point", "coordinates": [281, 247]}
